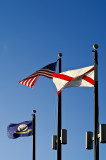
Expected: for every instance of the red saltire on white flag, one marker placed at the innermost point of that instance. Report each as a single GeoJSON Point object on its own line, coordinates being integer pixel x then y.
{"type": "Point", "coordinates": [83, 77]}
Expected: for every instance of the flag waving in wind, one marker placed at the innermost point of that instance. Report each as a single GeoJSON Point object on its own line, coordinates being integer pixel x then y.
{"type": "Point", "coordinates": [22, 129]}
{"type": "Point", "coordinates": [83, 77]}
{"type": "Point", "coordinates": [46, 71]}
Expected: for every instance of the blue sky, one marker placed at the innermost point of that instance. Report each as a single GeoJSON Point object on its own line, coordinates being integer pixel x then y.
{"type": "Point", "coordinates": [32, 33]}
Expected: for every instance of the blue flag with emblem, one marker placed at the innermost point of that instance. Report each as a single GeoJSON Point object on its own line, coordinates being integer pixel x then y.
{"type": "Point", "coordinates": [22, 129]}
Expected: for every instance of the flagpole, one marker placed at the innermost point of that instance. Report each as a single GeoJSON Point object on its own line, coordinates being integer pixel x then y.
{"type": "Point", "coordinates": [59, 117]}
{"type": "Point", "coordinates": [96, 107]}
{"type": "Point", "coordinates": [33, 120]}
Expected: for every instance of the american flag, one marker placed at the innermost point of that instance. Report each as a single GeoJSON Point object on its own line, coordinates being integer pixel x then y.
{"type": "Point", "coordinates": [46, 71]}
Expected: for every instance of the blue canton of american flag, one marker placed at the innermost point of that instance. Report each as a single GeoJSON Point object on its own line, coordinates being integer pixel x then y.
{"type": "Point", "coordinates": [46, 71]}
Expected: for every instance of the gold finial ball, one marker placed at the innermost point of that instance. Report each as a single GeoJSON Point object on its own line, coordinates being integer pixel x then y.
{"type": "Point", "coordinates": [59, 54]}
{"type": "Point", "coordinates": [34, 111]}
{"type": "Point", "coordinates": [95, 46]}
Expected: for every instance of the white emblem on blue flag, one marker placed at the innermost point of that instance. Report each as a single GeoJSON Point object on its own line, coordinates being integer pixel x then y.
{"type": "Point", "coordinates": [22, 127]}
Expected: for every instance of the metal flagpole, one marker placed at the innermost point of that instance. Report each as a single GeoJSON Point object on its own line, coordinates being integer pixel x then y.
{"type": "Point", "coordinates": [33, 120]}
{"type": "Point", "coordinates": [59, 118]}
{"type": "Point", "coordinates": [96, 107]}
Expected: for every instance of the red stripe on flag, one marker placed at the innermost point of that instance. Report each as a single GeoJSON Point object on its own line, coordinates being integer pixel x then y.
{"type": "Point", "coordinates": [88, 79]}
{"type": "Point", "coordinates": [31, 82]}
{"type": "Point", "coordinates": [34, 81]}
{"type": "Point", "coordinates": [58, 92]}
{"type": "Point", "coordinates": [23, 81]}
{"type": "Point", "coordinates": [28, 84]}
{"type": "Point", "coordinates": [62, 76]}
{"type": "Point", "coordinates": [90, 70]}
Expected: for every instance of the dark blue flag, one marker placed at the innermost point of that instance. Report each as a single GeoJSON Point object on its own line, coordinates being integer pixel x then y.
{"type": "Point", "coordinates": [22, 129]}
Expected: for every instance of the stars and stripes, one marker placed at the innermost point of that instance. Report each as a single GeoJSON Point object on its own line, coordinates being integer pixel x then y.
{"type": "Point", "coordinates": [46, 71]}
{"type": "Point", "coordinates": [83, 77]}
